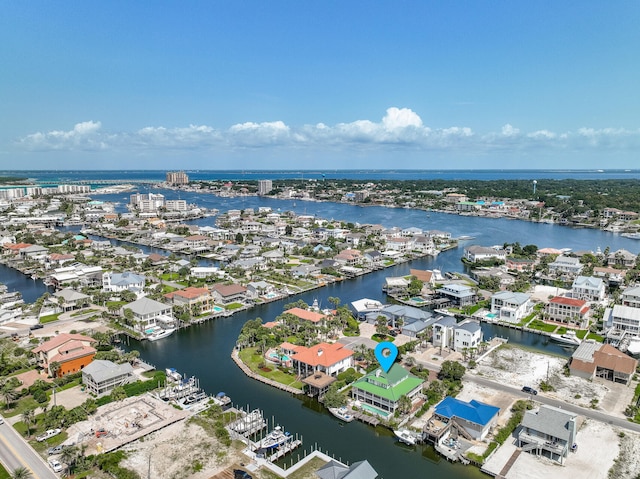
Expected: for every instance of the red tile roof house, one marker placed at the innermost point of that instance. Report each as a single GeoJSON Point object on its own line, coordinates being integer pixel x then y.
{"type": "Point", "coordinates": [330, 359]}
{"type": "Point", "coordinates": [71, 352]}
{"type": "Point", "coordinates": [306, 315]}
{"type": "Point", "coordinates": [568, 311]}
{"type": "Point", "coordinates": [228, 293]}
{"type": "Point", "coordinates": [190, 297]}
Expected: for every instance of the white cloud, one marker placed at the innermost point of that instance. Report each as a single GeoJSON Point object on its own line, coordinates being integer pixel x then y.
{"type": "Point", "coordinates": [399, 128]}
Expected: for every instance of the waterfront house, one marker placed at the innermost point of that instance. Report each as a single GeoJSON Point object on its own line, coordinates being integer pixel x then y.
{"type": "Point", "coordinates": [460, 295]}
{"type": "Point", "coordinates": [427, 277]}
{"type": "Point", "coordinates": [228, 293]}
{"type": "Point", "coordinates": [443, 332]}
{"type": "Point", "coordinates": [467, 336]}
{"type": "Point", "coordinates": [70, 352]}
{"type": "Point", "coordinates": [303, 270]}
{"type": "Point", "coordinates": [395, 285]}
{"type": "Point", "coordinates": [520, 264]}
{"type": "Point", "coordinates": [510, 306]}
{"type": "Point", "coordinates": [256, 289]}
{"type": "Point", "coordinates": [35, 252]}
{"type": "Point", "coordinates": [631, 296]}
{"type": "Point", "coordinates": [622, 258]}
{"type": "Point", "coordinates": [625, 319]}
{"type": "Point", "coordinates": [127, 281]}
{"type": "Point", "coordinates": [349, 257]}
{"type": "Point", "coordinates": [307, 315]}
{"type": "Point", "coordinates": [476, 254]}
{"type": "Point", "coordinates": [203, 272]}
{"type": "Point", "coordinates": [196, 300]}
{"type": "Point", "coordinates": [382, 391]}
{"type": "Point", "coordinates": [569, 311]}
{"type": "Point", "coordinates": [588, 288]}
{"type": "Point", "coordinates": [147, 313]}
{"type": "Point", "coordinates": [337, 470]}
{"type": "Point", "coordinates": [472, 419]}
{"type": "Point", "coordinates": [400, 245]}
{"type": "Point", "coordinates": [331, 359]}
{"type": "Point", "coordinates": [593, 359]}
{"type": "Point", "coordinates": [548, 431]}
{"type": "Point", "coordinates": [101, 376]}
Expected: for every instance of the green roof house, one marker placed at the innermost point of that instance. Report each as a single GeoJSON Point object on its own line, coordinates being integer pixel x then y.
{"type": "Point", "coordinates": [381, 391]}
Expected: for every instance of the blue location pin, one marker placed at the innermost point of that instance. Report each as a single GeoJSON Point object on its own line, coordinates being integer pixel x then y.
{"type": "Point", "coordinates": [386, 354]}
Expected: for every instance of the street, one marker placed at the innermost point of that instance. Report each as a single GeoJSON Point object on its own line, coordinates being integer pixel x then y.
{"type": "Point", "coordinates": [16, 452]}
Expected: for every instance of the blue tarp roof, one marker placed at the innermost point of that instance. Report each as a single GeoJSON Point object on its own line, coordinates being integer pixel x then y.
{"type": "Point", "coordinates": [473, 411]}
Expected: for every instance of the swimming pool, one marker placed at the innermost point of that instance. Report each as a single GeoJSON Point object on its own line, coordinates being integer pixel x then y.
{"type": "Point", "coordinates": [217, 309]}
{"type": "Point", "coordinates": [374, 410]}
{"type": "Point", "coordinates": [270, 295]}
{"type": "Point", "coordinates": [282, 358]}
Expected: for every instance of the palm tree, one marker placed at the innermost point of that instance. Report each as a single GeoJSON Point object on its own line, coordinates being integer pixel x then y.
{"type": "Point", "coordinates": [8, 392]}
{"type": "Point", "coordinates": [28, 417]}
{"type": "Point", "coordinates": [21, 473]}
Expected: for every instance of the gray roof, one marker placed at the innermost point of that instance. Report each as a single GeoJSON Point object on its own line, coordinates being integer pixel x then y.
{"type": "Point", "coordinates": [588, 282]}
{"type": "Point", "coordinates": [446, 321]}
{"type": "Point", "coordinates": [336, 470]}
{"type": "Point", "coordinates": [549, 420]}
{"type": "Point", "coordinates": [146, 306]}
{"type": "Point", "coordinates": [468, 325]}
{"type": "Point", "coordinates": [586, 350]}
{"type": "Point", "coordinates": [101, 370]}
{"type": "Point", "coordinates": [126, 279]}
{"type": "Point", "coordinates": [70, 294]}
{"type": "Point", "coordinates": [511, 297]}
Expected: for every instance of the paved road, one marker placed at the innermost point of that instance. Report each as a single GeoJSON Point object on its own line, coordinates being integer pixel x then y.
{"type": "Point", "coordinates": [16, 452]}
{"type": "Point", "coordinates": [541, 398]}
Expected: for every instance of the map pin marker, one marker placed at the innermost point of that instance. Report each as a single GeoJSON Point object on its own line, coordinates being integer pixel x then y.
{"type": "Point", "coordinates": [386, 354]}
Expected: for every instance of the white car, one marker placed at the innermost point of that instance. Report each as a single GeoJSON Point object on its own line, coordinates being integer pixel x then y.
{"type": "Point", "coordinates": [55, 465]}
{"type": "Point", "coordinates": [48, 434]}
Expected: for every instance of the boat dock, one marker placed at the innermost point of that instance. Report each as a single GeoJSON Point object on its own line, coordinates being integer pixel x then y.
{"type": "Point", "coordinates": [365, 418]}
{"type": "Point", "coordinates": [284, 450]}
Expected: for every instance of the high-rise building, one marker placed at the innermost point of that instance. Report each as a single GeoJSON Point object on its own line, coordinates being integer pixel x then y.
{"type": "Point", "coordinates": [264, 186]}
{"type": "Point", "coordinates": [177, 178]}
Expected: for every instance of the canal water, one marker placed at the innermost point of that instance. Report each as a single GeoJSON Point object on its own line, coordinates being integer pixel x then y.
{"type": "Point", "coordinates": [204, 350]}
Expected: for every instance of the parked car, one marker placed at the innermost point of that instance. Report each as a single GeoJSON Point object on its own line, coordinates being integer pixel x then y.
{"type": "Point", "coordinates": [529, 390]}
{"type": "Point", "coordinates": [240, 474]}
{"type": "Point", "coordinates": [55, 450]}
{"type": "Point", "coordinates": [48, 434]}
{"type": "Point", "coordinates": [101, 432]}
{"type": "Point", "coordinates": [1, 420]}
{"type": "Point", "coordinates": [36, 326]}
{"type": "Point", "coordinates": [55, 465]}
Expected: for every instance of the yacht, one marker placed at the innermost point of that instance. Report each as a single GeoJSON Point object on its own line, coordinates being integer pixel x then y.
{"type": "Point", "coordinates": [160, 333]}
{"type": "Point", "coordinates": [569, 338]}
{"type": "Point", "coordinates": [633, 348]}
{"type": "Point", "coordinates": [406, 436]}
{"type": "Point", "coordinates": [275, 438]}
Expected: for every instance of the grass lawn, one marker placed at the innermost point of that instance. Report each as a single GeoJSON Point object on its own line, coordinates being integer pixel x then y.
{"type": "Point", "coordinates": [541, 326]}
{"type": "Point", "coordinates": [585, 332]}
{"type": "Point", "coordinates": [84, 311]}
{"type": "Point", "coordinates": [232, 306]}
{"type": "Point", "coordinates": [21, 406]}
{"type": "Point", "coordinates": [49, 318]}
{"type": "Point", "coordinates": [168, 289]}
{"type": "Point", "coordinates": [378, 338]}
{"type": "Point", "coordinates": [170, 276]}
{"type": "Point", "coordinates": [116, 303]}
{"type": "Point", "coordinates": [305, 471]}
{"type": "Point", "coordinates": [3, 473]}
{"type": "Point", "coordinates": [252, 358]}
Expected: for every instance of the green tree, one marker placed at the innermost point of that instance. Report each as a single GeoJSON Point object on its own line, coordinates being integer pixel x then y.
{"type": "Point", "coordinates": [404, 404]}
{"type": "Point", "coordinates": [382, 327]}
{"type": "Point", "coordinates": [452, 371]}
{"type": "Point", "coordinates": [28, 417]}
{"type": "Point", "coordinates": [118, 393]}
{"type": "Point", "coordinates": [21, 473]}
{"type": "Point", "coordinates": [334, 398]}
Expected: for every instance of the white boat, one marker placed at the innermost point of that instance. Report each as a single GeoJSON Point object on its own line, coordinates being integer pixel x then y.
{"type": "Point", "coordinates": [160, 334]}
{"type": "Point", "coordinates": [342, 413]}
{"type": "Point", "coordinates": [633, 348]}
{"type": "Point", "coordinates": [406, 436]}
{"type": "Point", "coordinates": [275, 438]}
{"type": "Point", "coordinates": [631, 235]}
{"type": "Point", "coordinates": [248, 422]}
{"type": "Point", "coordinates": [569, 338]}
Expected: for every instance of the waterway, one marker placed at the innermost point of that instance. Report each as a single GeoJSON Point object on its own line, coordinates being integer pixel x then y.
{"type": "Point", "coordinates": [204, 350]}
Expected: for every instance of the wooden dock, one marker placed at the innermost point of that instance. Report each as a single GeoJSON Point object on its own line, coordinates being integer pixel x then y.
{"type": "Point", "coordinates": [370, 420]}
{"type": "Point", "coordinates": [284, 450]}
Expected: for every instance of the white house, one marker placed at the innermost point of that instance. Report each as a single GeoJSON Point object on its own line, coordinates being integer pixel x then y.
{"type": "Point", "coordinates": [477, 253]}
{"type": "Point", "coordinates": [588, 288]}
{"type": "Point", "coordinates": [631, 297]}
{"type": "Point", "coordinates": [467, 335]}
{"type": "Point", "coordinates": [565, 264]}
{"type": "Point", "coordinates": [117, 282]}
{"type": "Point", "coordinates": [147, 313]}
{"type": "Point", "coordinates": [511, 307]}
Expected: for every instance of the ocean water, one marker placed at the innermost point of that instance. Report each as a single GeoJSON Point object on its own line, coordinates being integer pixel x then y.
{"type": "Point", "coordinates": [61, 176]}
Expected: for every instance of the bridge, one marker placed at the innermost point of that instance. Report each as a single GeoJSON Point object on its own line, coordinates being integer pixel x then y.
{"type": "Point", "coordinates": [108, 182]}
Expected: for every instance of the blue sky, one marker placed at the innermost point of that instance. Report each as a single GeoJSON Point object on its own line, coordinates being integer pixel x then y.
{"type": "Point", "coordinates": [346, 84]}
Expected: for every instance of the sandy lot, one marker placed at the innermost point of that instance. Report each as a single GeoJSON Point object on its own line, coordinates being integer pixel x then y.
{"type": "Point", "coordinates": [518, 367]}
{"type": "Point", "coordinates": [201, 457]}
